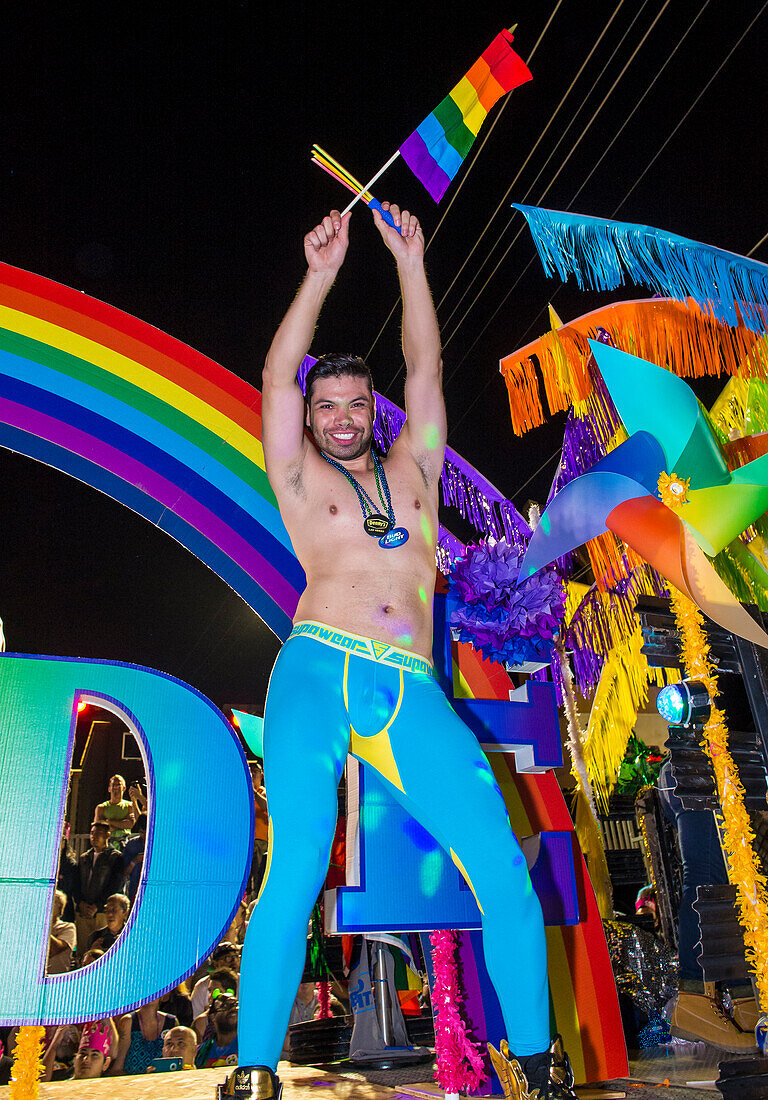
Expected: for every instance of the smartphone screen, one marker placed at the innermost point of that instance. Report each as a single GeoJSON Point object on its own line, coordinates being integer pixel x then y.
{"type": "Point", "coordinates": [163, 1065]}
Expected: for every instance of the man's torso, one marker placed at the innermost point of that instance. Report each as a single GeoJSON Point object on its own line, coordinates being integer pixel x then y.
{"type": "Point", "coordinates": [353, 583]}
{"type": "Point", "coordinates": [96, 874]}
{"type": "Point", "coordinates": [115, 811]}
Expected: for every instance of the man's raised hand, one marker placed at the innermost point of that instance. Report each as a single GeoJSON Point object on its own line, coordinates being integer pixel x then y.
{"type": "Point", "coordinates": [325, 246]}
{"type": "Point", "coordinates": [406, 245]}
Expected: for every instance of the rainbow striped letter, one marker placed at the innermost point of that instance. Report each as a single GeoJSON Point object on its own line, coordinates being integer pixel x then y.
{"type": "Point", "coordinates": [435, 150]}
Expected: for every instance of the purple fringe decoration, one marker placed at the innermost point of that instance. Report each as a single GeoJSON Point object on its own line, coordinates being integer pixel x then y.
{"type": "Point", "coordinates": [557, 680]}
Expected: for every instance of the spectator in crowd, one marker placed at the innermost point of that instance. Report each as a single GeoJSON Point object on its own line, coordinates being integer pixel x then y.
{"type": "Point", "coordinates": [133, 855]}
{"type": "Point", "coordinates": [67, 876]}
{"type": "Point", "coordinates": [138, 799]}
{"type": "Point", "coordinates": [225, 955]}
{"type": "Point", "coordinates": [223, 982]}
{"type": "Point", "coordinates": [6, 1062]}
{"type": "Point", "coordinates": [178, 1002]}
{"type": "Point", "coordinates": [94, 1053]}
{"type": "Point", "coordinates": [304, 1007]}
{"type": "Point", "coordinates": [141, 1036]}
{"type": "Point", "coordinates": [62, 941]}
{"type": "Point", "coordinates": [91, 956]}
{"type": "Point", "coordinates": [260, 831]}
{"type": "Point", "coordinates": [96, 1050]}
{"type": "Point", "coordinates": [116, 911]}
{"type": "Point", "coordinates": [99, 875]}
{"type": "Point", "coordinates": [236, 931]}
{"type": "Point", "coordinates": [179, 1042]}
{"type": "Point", "coordinates": [117, 813]}
{"type": "Point", "coordinates": [221, 1048]}
{"type": "Point", "coordinates": [60, 1045]}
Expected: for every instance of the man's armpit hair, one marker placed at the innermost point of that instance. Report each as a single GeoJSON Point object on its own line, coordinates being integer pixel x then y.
{"type": "Point", "coordinates": [294, 479]}
{"type": "Point", "coordinates": [424, 470]}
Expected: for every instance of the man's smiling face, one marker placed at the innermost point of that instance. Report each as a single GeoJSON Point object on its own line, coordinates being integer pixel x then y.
{"type": "Point", "coordinates": [340, 416]}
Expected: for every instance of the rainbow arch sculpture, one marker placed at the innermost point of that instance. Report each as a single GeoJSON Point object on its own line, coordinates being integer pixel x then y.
{"type": "Point", "coordinates": [119, 405]}
{"type": "Point", "coordinates": [152, 423]}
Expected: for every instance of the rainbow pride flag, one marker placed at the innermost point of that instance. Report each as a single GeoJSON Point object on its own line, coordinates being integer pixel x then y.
{"type": "Point", "coordinates": [436, 149]}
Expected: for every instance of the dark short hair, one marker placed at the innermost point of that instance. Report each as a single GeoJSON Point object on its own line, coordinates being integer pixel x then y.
{"type": "Point", "coordinates": [224, 948]}
{"type": "Point", "coordinates": [100, 825]}
{"type": "Point", "coordinates": [140, 823]}
{"type": "Point", "coordinates": [125, 902]}
{"type": "Point", "coordinates": [337, 365]}
{"type": "Point", "coordinates": [226, 977]}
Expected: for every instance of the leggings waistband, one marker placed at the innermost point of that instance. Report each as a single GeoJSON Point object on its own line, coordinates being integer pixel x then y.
{"type": "Point", "coordinates": [380, 652]}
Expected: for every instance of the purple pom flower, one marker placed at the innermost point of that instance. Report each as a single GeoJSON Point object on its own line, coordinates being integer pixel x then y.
{"type": "Point", "coordinates": [507, 620]}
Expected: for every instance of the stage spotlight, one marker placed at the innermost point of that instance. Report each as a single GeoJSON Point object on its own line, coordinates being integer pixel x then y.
{"type": "Point", "coordinates": [684, 704]}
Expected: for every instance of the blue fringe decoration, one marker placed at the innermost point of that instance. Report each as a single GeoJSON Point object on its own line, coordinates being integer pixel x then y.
{"type": "Point", "coordinates": [604, 255]}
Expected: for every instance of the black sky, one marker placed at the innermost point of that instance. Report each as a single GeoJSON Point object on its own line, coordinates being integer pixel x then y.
{"type": "Point", "coordinates": [157, 158]}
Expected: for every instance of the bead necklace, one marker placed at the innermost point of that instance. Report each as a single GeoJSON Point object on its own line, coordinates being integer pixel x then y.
{"type": "Point", "coordinates": [375, 524]}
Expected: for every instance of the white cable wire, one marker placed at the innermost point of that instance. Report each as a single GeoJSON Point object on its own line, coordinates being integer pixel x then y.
{"type": "Point", "coordinates": [756, 246]}
{"type": "Point", "coordinates": [696, 100]}
{"type": "Point", "coordinates": [620, 131]}
{"type": "Point", "coordinates": [397, 373]}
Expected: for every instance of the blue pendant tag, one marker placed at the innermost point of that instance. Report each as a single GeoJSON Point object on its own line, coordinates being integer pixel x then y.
{"type": "Point", "coordinates": [396, 537]}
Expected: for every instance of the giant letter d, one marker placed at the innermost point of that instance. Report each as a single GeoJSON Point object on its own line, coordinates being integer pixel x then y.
{"type": "Point", "coordinates": [199, 836]}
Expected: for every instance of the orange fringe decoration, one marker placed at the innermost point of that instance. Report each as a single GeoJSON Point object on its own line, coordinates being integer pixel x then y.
{"type": "Point", "coordinates": [524, 401]}
{"type": "Point", "coordinates": [679, 336]}
{"type": "Point", "coordinates": [743, 867]}
{"type": "Point", "coordinates": [611, 560]}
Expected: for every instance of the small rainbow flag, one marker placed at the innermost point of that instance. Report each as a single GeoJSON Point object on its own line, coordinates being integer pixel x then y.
{"type": "Point", "coordinates": [436, 149]}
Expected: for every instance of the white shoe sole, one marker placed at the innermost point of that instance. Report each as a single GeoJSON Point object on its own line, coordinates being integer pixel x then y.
{"type": "Point", "coordinates": [679, 1033]}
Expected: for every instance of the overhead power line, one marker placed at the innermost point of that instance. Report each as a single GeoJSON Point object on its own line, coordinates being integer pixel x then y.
{"type": "Point", "coordinates": [549, 186]}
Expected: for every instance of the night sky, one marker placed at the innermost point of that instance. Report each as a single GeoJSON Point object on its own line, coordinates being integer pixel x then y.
{"type": "Point", "coordinates": [157, 158]}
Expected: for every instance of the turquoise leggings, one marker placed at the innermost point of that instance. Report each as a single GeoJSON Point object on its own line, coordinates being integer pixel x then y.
{"type": "Point", "coordinates": [333, 693]}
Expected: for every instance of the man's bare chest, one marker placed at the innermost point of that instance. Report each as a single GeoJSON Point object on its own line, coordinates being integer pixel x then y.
{"type": "Point", "coordinates": [332, 511]}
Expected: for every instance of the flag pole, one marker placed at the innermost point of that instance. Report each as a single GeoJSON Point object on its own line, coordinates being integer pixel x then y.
{"type": "Point", "coordinates": [371, 182]}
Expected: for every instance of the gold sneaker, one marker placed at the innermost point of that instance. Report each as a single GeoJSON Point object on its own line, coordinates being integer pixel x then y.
{"type": "Point", "coordinates": [549, 1075]}
{"type": "Point", "coordinates": [250, 1083]}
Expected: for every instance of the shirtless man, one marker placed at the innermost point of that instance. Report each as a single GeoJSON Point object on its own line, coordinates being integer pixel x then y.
{"type": "Point", "coordinates": [356, 673]}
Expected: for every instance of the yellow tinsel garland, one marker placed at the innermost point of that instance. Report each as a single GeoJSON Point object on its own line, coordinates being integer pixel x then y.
{"type": "Point", "coordinates": [27, 1064]}
{"type": "Point", "coordinates": [621, 692]}
{"type": "Point", "coordinates": [738, 838]}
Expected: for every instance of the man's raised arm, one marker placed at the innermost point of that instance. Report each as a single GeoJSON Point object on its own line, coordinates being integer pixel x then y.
{"type": "Point", "coordinates": [283, 404]}
{"type": "Point", "coordinates": [425, 428]}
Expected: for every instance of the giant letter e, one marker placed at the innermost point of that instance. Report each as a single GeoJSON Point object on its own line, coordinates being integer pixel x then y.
{"type": "Point", "coordinates": [199, 837]}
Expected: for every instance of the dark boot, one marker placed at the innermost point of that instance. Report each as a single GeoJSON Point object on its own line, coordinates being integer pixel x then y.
{"type": "Point", "coordinates": [545, 1076]}
{"type": "Point", "coordinates": [250, 1083]}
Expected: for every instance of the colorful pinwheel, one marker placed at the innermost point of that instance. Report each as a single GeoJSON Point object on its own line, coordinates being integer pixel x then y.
{"type": "Point", "coordinates": [667, 491]}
